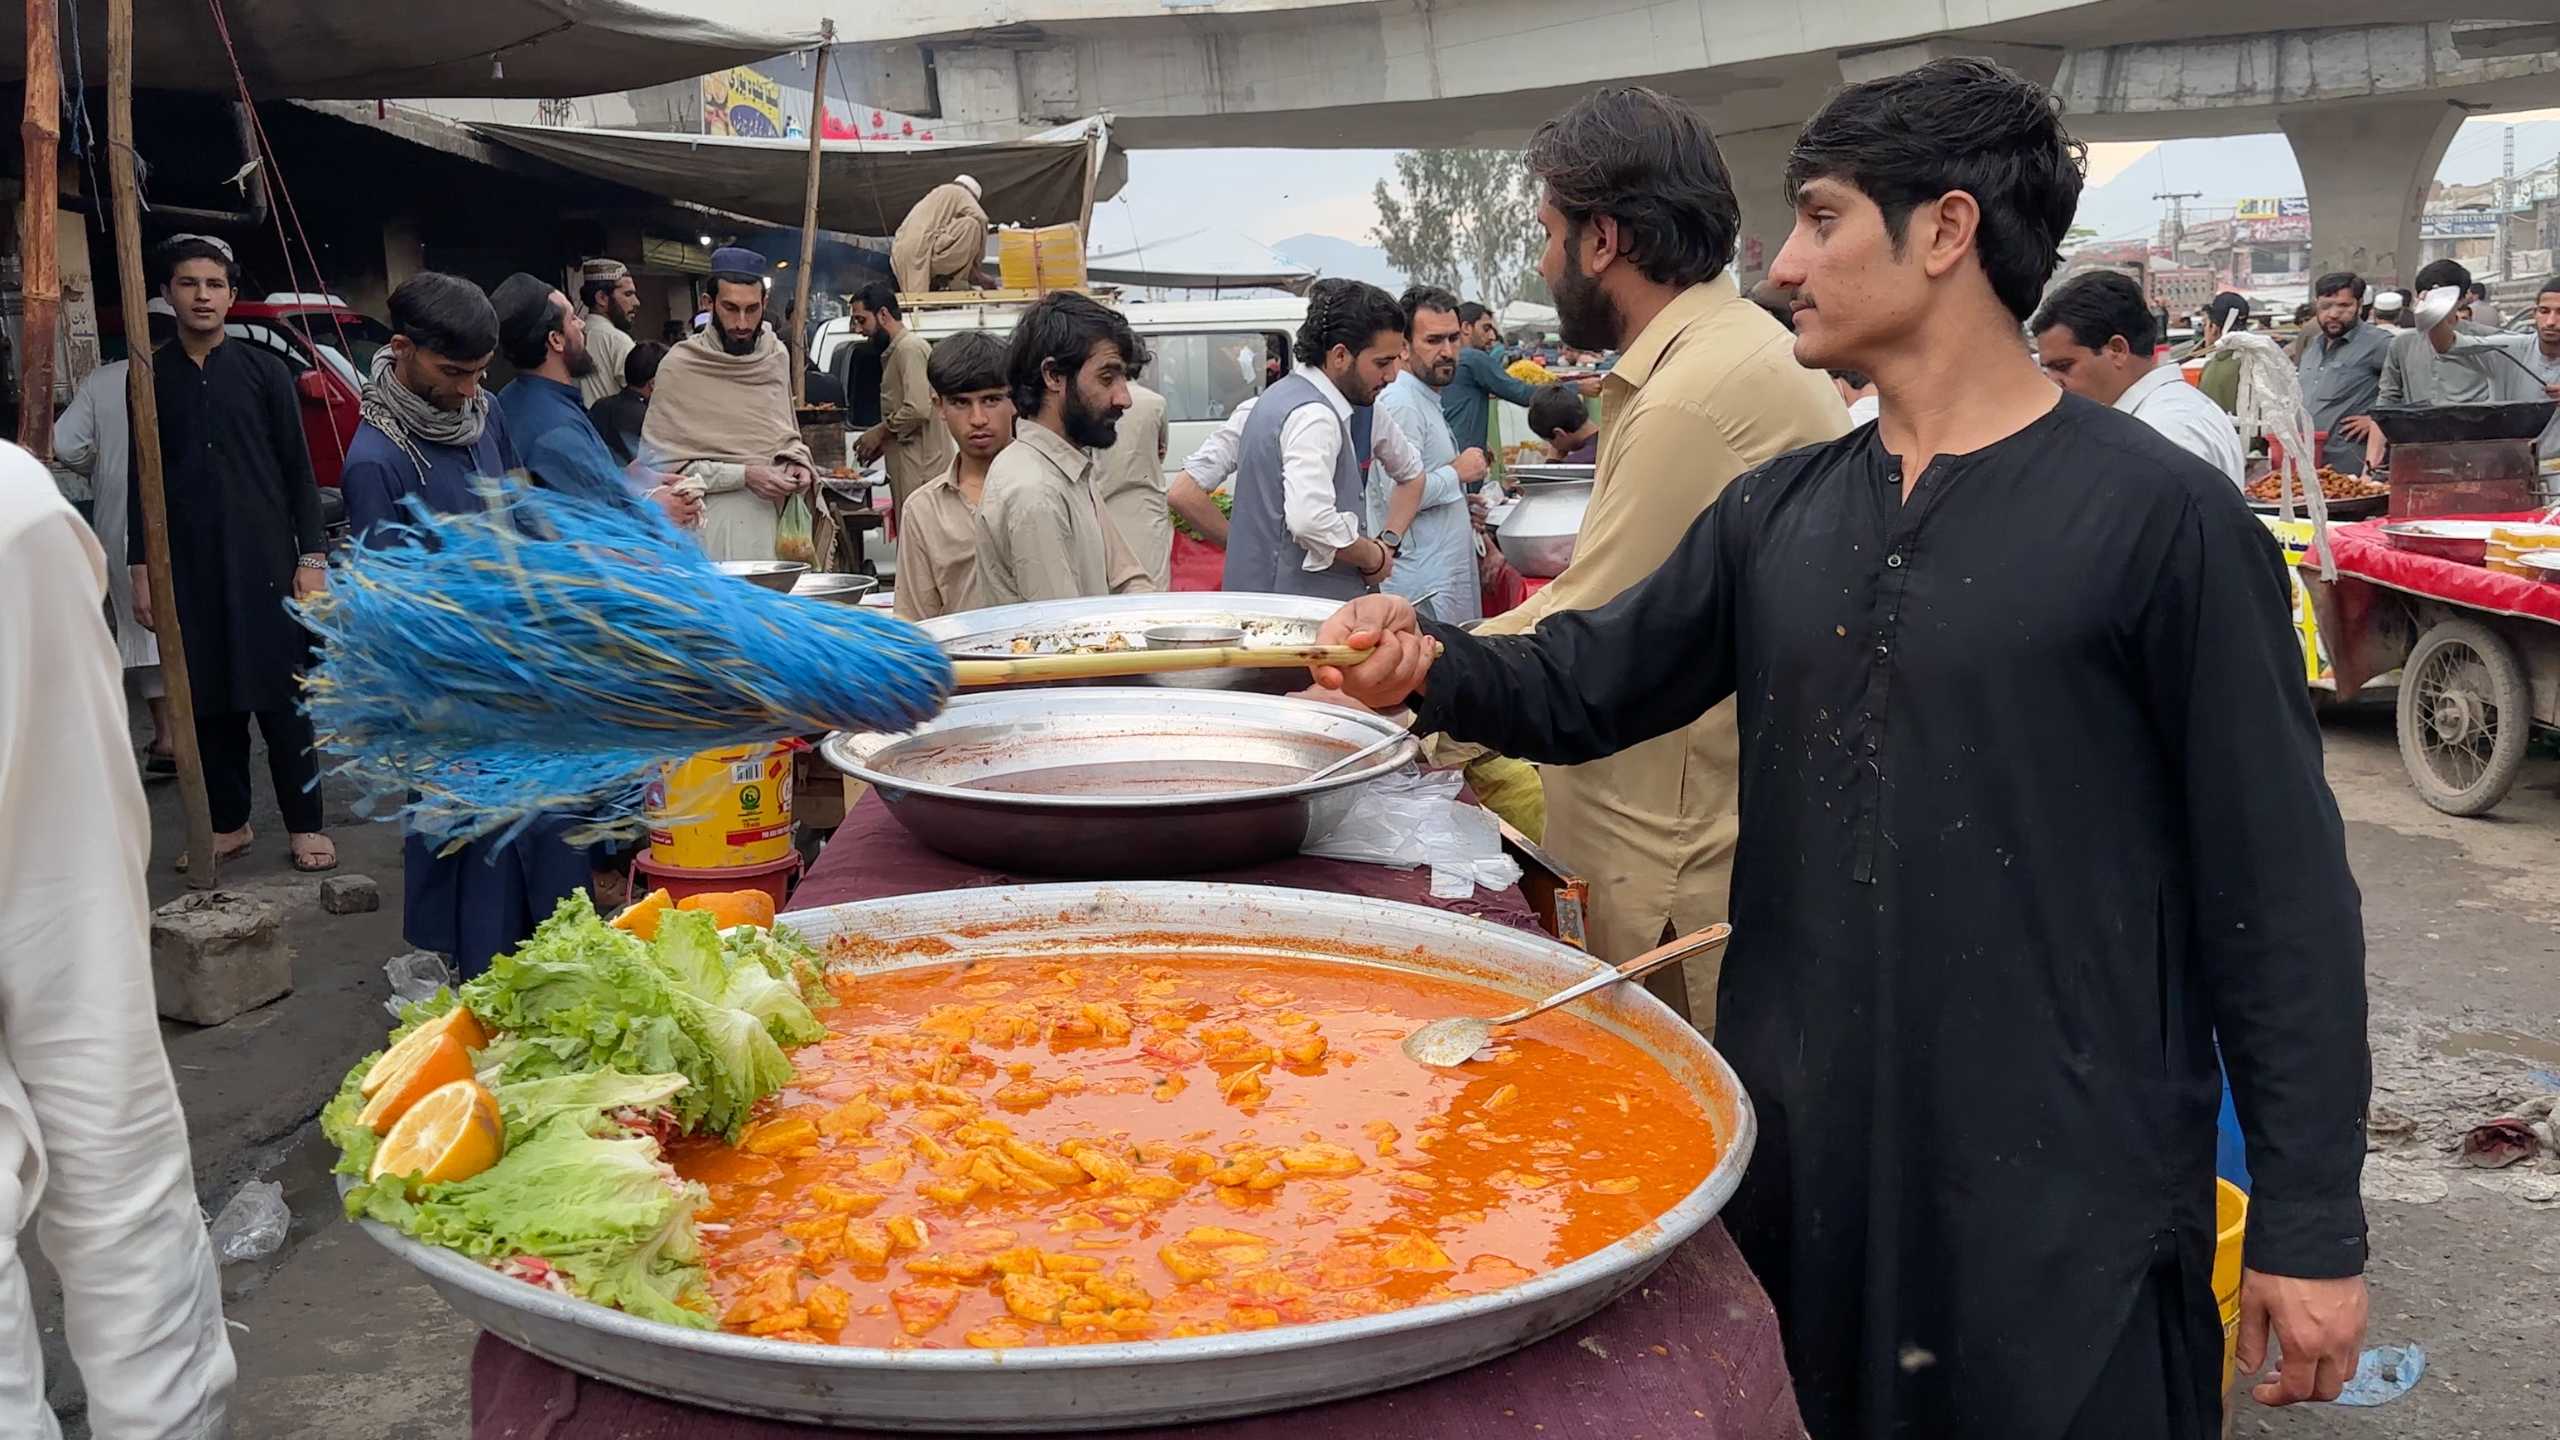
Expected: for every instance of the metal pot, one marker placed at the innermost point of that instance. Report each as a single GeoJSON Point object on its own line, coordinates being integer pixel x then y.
{"type": "Point", "coordinates": [768, 574]}
{"type": "Point", "coordinates": [843, 589]}
{"type": "Point", "coordinates": [1119, 781]}
{"type": "Point", "coordinates": [1156, 1382]}
{"type": "Point", "coordinates": [1538, 534]}
{"type": "Point", "coordinates": [1053, 626]}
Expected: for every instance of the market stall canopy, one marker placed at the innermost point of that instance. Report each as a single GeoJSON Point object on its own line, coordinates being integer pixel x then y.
{"type": "Point", "coordinates": [866, 186]}
{"type": "Point", "coordinates": [1204, 259]}
{"type": "Point", "coordinates": [1526, 315]}
{"type": "Point", "coordinates": [334, 50]}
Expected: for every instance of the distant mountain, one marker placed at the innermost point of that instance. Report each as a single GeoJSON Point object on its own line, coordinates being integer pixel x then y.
{"type": "Point", "coordinates": [1332, 255]}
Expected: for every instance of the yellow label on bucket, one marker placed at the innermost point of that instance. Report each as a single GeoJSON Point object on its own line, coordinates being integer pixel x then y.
{"type": "Point", "coordinates": [723, 809]}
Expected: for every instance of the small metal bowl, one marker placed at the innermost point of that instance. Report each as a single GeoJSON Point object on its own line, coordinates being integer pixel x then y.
{"type": "Point", "coordinates": [771, 574]}
{"type": "Point", "coordinates": [1192, 637]}
{"type": "Point", "coordinates": [844, 589]}
{"type": "Point", "coordinates": [1197, 635]}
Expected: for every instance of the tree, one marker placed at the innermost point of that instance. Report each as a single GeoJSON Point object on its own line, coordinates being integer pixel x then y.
{"type": "Point", "coordinates": [1464, 219]}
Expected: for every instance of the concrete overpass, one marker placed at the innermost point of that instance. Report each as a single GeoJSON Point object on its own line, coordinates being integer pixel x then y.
{"type": "Point", "coordinates": [2370, 100]}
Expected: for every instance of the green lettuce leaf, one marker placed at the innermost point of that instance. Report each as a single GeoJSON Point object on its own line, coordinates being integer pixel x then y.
{"type": "Point", "coordinates": [605, 1210]}
{"type": "Point", "coordinates": [594, 1097]}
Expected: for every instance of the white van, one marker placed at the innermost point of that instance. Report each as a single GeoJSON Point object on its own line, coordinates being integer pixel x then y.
{"type": "Point", "coordinates": [1209, 356]}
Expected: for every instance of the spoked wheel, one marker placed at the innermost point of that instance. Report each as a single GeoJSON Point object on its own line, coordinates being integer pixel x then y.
{"type": "Point", "coordinates": [2465, 715]}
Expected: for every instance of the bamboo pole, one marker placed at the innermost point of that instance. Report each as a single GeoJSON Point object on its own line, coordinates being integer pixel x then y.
{"type": "Point", "coordinates": [40, 200]}
{"type": "Point", "coordinates": [800, 330]}
{"type": "Point", "coordinates": [144, 400]}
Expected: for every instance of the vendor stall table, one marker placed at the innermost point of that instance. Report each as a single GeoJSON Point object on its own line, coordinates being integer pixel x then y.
{"type": "Point", "coordinates": [1692, 1350]}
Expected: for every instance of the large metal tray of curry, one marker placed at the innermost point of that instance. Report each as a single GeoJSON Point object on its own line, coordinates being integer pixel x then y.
{"type": "Point", "coordinates": [1368, 1223]}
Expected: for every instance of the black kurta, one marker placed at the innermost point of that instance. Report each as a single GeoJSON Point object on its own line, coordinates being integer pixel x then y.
{"type": "Point", "coordinates": [242, 507]}
{"type": "Point", "coordinates": [2032, 806]}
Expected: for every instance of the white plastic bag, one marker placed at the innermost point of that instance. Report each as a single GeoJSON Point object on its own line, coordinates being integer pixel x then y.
{"type": "Point", "coordinates": [415, 976]}
{"type": "Point", "coordinates": [253, 1224]}
{"type": "Point", "coordinates": [1413, 818]}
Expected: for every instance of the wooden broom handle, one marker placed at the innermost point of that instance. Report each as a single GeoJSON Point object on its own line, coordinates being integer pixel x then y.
{"type": "Point", "coordinates": [1114, 664]}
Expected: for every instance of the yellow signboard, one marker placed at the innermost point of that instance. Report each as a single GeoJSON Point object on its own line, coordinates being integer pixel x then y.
{"type": "Point", "coordinates": [742, 101]}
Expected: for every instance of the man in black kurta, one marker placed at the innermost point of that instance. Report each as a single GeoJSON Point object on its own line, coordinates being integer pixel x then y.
{"type": "Point", "coordinates": [244, 537]}
{"type": "Point", "coordinates": [2032, 809]}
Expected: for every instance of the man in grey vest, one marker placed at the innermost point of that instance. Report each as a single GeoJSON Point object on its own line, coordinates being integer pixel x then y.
{"type": "Point", "coordinates": [1300, 504]}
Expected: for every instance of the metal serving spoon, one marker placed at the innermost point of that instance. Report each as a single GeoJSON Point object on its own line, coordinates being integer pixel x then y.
{"type": "Point", "coordinates": [1445, 1043]}
{"type": "Point", "coordinates": [1356, 756]}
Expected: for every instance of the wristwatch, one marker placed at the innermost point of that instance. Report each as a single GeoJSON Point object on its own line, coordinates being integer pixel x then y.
{"type": "Point", "coordinates": [1393, 541]}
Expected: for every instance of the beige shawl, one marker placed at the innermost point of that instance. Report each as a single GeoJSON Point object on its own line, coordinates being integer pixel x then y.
{"type": "Point", "coordinates": [712, 405]}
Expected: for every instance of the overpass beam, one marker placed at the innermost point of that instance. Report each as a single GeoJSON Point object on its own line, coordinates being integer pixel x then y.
{"type": "Point", "coordinates": [2366, 170]}
{"type": "Point", "coordinates": [1757, 161]}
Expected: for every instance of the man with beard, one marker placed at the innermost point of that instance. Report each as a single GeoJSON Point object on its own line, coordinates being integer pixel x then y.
{"type": "Point", "coordinates": [1042, 532]}
{"type": "Point", "coordinates": [2341, 368]}
{"type": "Point", "coordinates": [1436, 569]}
{"type": "Point", "coordinates": [1301, 499]}
{"type": "Point", "coordinates": [1977, 979]}
{"type": "Point", "coordinates": [613, 307]}
{"type": "Point", "coordinates": [1706, 386]}
{"type": "Point", "coordinates": [430, 435]}
{"type": "Point", "coordinates": [1129, 475]}
{"type": "Point", "coordinates": [546, 341]}
{"type": "Point", "coordinates": [1466, 401]}
{"type": "Point", "coordinates": [909, 436]}
{"type": "Point", "coordinates": [721, 416]}
{"type": "Point", "coordinates": [244, 537]}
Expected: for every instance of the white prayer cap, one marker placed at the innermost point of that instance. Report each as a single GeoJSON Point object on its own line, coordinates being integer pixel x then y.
{"type": "Point", "coordinates": [970, 184]}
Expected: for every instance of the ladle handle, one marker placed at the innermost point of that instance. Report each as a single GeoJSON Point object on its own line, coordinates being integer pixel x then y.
{"type": "Point", "coordinates": [1644, 964]}
{"type": "Point", "coordinates": [1117, 664]}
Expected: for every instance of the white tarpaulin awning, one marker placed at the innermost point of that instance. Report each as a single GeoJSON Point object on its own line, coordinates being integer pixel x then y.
{"type": "Point", "coordinates": [1526, 315]}
{"type": "Point", "coordinates": [865, 187]}
{"type": "Point", "coordinates": [350, 50]}
{"type": "Point", "coordinates": [1204, 259]}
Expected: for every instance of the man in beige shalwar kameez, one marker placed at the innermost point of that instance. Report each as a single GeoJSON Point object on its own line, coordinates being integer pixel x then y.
{"type": "Point", "coordinates": [942, 242]}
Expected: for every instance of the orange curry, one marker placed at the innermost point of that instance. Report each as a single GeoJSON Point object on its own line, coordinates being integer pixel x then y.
{"type": "Point", "coordinates": [1040, 1152]}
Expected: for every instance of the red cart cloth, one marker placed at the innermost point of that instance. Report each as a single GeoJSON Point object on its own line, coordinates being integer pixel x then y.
{"type": "Point", "coordinates": [1692, 1351]}
{"type": "Point", "coordinates": [1197, 564]}
{"type": "Point", "coordinates": [2366, 553]}
{"type": "Point", "coordinates": [872, 855]}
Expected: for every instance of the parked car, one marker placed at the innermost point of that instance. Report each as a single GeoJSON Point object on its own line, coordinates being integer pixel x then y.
{"type": "Point", "coordinates": [329, 346]}
{"type": "Point", "coordinates": [326, 343]}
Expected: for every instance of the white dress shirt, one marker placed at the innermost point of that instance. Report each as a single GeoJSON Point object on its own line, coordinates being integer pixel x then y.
{"type": "Point", "coordinates": [2165, 401]}
{"type": "Point", "coordinates": [93, 1148]}
{"type": "Point", "coordinates": [1214, 463]}
{"type": "Point", "coordinates": [1311, 442]}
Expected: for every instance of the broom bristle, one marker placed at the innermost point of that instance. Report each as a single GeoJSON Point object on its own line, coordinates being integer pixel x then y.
{"type": "Point", "coordinates": [546, 657]}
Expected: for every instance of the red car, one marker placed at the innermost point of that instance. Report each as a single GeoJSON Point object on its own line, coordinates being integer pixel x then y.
{"type": "Point", "coordinates": [328, 345]}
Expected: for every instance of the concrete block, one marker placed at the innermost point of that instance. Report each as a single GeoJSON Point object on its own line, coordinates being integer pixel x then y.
{"type": "Point", "coordinates": [216, 955]}
{"type": "Point", "coordinates": [350, 895]}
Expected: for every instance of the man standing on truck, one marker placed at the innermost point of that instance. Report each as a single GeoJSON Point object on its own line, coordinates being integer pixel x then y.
{"type": "Point", "coordinates": [941, 243]}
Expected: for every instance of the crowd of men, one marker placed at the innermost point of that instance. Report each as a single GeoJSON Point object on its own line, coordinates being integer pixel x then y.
{"type": "Point", "coordinates": [1837, 675]}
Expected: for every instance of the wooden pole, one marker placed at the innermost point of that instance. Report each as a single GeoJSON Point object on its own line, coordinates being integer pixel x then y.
{"type": "Point", "coordinates": [800, 331]}
{"type": "Point", "coordinates": [40, 273]}
{"type": "Point", "coordinates": [144, 400]}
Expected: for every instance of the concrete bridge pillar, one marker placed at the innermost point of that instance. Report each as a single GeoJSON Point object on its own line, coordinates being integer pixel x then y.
{"type": "Point", "coordinates": [1757, 161]}
{"type": "Point", "coordinates": [2366, 169]}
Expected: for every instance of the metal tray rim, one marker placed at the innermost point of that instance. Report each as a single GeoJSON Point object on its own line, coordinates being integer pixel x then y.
{"type": "Point", "coordinates": [852, 751]}
{"type": "Point", "coordinates": [1600, 1277]}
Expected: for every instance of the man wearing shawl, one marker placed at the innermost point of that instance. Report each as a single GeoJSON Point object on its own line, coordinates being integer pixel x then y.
{"type": "Point", "coordinates": [430, 434]}
{"type": "Point", "coordinates": [721, 416]}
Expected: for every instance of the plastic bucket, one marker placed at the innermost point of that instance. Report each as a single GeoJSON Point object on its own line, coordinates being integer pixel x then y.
{"type": "Point", "coordinates": [2230, 1219]}
{"type": "Point", "coordinates": [723, 809]}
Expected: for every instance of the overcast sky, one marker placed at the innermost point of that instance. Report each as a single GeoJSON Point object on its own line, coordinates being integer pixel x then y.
{"type": "Point", "coordinates": [1270, 195]}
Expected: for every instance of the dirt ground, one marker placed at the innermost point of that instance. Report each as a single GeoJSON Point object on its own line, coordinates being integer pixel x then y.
{"type": "Point", "coordinates": [335, 1341]}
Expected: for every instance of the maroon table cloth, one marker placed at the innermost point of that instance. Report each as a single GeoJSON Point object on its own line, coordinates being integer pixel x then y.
{"type": "Point", "coordinates": [873, 856]}
{"type": "Point", "coordinates": [1693, 1350]}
